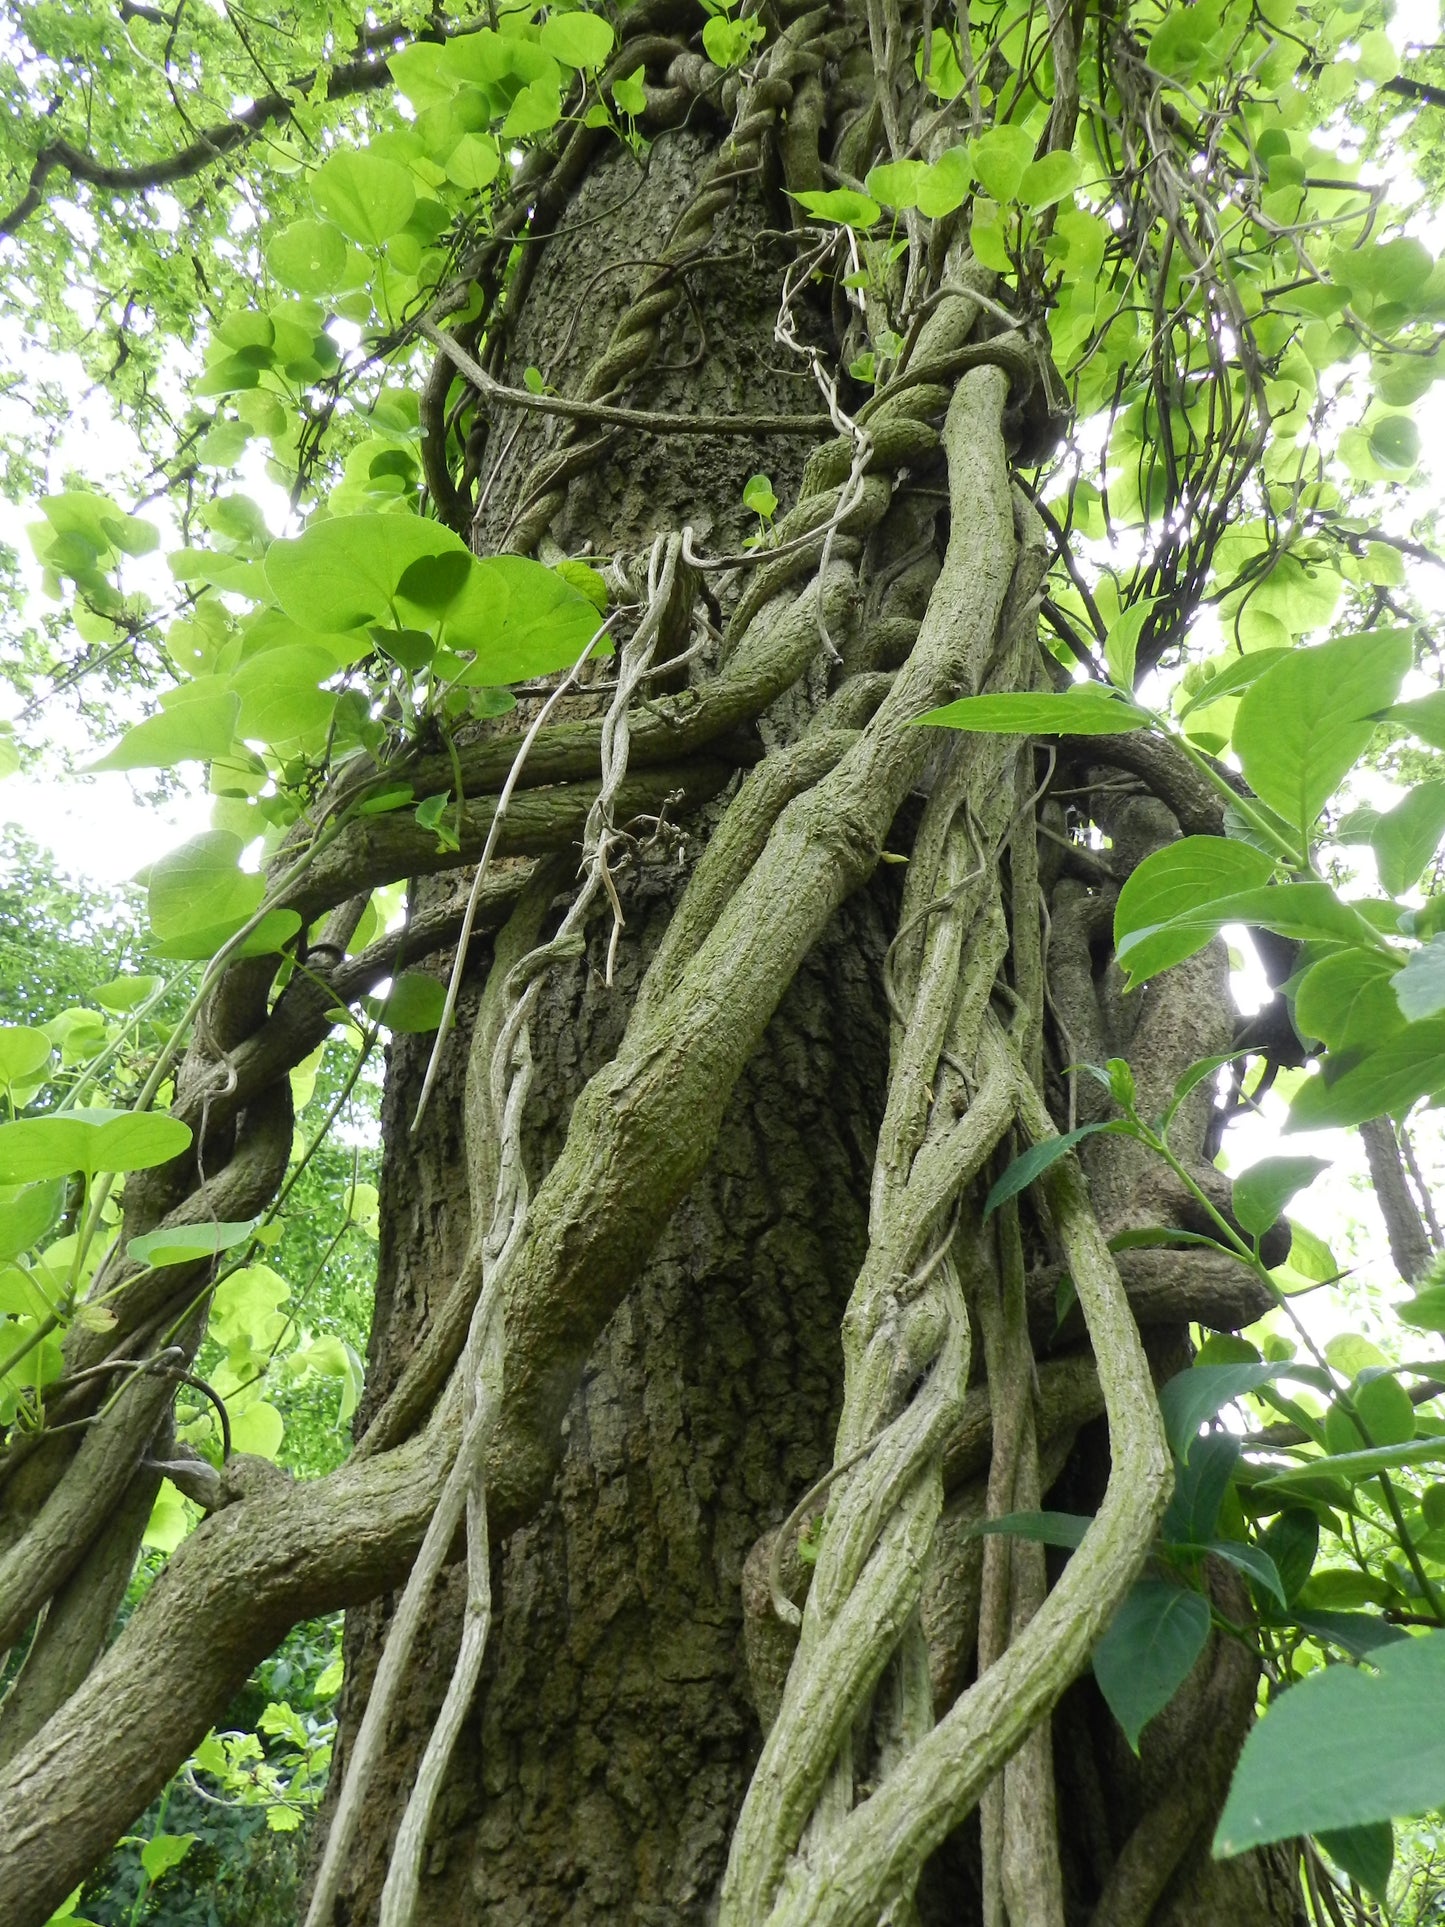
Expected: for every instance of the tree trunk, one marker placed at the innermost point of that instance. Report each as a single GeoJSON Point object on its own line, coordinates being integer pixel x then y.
{"type": "Point", "coordinates": [602, 1768]}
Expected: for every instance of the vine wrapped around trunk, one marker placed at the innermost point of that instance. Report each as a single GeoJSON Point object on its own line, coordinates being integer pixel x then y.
{"type": "Point", "coordinates": [715, 1325]}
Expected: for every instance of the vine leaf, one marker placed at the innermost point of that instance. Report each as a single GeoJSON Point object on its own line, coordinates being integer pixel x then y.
{"type": "Point", "coordinates": [35, 1148]}
{"type": "Point", "coordinates": [1189, 1398]}
{"type": "Point", "coordinates": [1262, 1192]}
{"type": "Point", "coordinates": [414, 1003]}
{"type": "Point", "coordinates": [1302, 726]}
{"type": "Point", "coordinates": [1035, 1161]}
{"type": "Point", "coordinates": [179, 1244]}
{"type": "Point", "coordinates": [1149, 1651]}
{"type": "Point", "coordinates": [581, 40]}
{"type": "Point", "coordinates": [1048, 1528]}
{"type": "Point", "coordinates": [25, 1218]}
{"type": "Point", "coordinates": [1366, 1853]}
{"type": "Point", "coordinates": [1405, 838]}
{"type": "Point", "coordinates": [197, 723]}
{"type": "Point", "coordinates": [1344, 1748]}
{"type": "Point", "coordinates": [367, 197]}
{"type": "Point", "coordinates": [1357, 1084]}
{"type": "Point", "coordinates": [1088, 709]}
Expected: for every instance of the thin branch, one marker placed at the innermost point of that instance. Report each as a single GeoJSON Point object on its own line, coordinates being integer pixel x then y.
{"type": "Point", "coordinates": [655, 422]}
{"type": "Point", "coordinates": [213, 144]}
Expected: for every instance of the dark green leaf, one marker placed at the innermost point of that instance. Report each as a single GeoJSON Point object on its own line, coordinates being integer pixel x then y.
{"type": "Point", "coordinates": [414, 1002]}
{"type": "Point", "coordinates": [1366, 1853]}
{"type": "Point", "coordinates": [1251, 1560]}
{"type": "Point", "coordinates": [1149, 1652]}
{"type": "Point", "coordinates": [1200, 1483]}
{"type": "Point", "coordinates": [1343, 1748]}
{"type": "Point", "coordinates": [1356, 1633]}
{"type": "Point", "coordinates": [1032, 1163]}
{"type": "Point", "coordinates": [1354, 1466]}
{"type": "Point", "coordinates": [1292, 1542]}
{"type": "Point", "coordinates": [1189, 1398]}
{"type": "Point", "coordinates": [1048, 1528]}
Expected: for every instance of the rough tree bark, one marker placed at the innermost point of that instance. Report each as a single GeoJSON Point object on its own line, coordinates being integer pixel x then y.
{"type": "Point", "coordinates": [752, 1105]}
{"type": "Point", "coordinates": [605, 1762]}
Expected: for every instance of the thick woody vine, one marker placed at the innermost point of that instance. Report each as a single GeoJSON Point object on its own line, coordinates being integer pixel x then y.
{"type": "Point", "coordinates": [915, 567]}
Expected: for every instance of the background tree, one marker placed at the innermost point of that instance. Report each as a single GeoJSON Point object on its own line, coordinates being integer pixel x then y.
{"type": "Point", "coordinates": [688, 405]}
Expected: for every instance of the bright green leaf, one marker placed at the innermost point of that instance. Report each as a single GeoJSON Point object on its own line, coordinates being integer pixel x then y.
{"type": "Point", "coordinates": [24, 1053]}
{"type": "Point", "coordinates": [1407, 837]}
{"type": "Point", "coordinates": [1262, 1192]}
{"type": "Point", "coordinates": [368, 198]}
{"type": "Point", "coordinates": [1000, 159]}
{"type": "Point", "coordinates": [1049, 179]}
{"type": "Point", "coordinates": [841, 204]}
{"type": "Point", "coordinates": [35, 1148]}
{"type": "Point", "coordinates": [1308, 719]}
{"type": "Point", "coordinates": [1367, 1081]}
{"type": "Point", "coordinates": [197, 722]}
{"type": "Point", "coordinates": [164, 1851]}
{"type": "Point", "coordinates": [1087, 709]}
{"type": "Point", "coordinates": [581, 40]}
{"type": "Point", "coordinates": [201, 885]}
{"type": "Point", "coordinates": [309, 257]}
{"type": "Point", "coordinates": [179, 1244]}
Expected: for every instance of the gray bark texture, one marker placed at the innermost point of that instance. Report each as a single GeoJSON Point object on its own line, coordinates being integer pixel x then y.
{"type": "Point", "coordinates": [604, 1763]}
